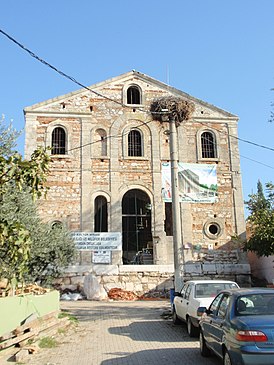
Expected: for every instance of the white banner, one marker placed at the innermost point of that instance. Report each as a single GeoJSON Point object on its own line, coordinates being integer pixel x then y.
{"type": "Point", "coordinates": [97, 241]}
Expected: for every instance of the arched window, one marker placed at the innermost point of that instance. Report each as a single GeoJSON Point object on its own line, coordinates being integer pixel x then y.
{"type": "Point", "coordinates": [101, 142]}
{"type": "Point", "coordinates": [100, 214]}
{"type": "Point", "coordinates": [57, 225]}
{"type": "Point", "coordinates": [136, 221]}
{"type": "Point", "coordinates": [135, 143]}
{"type": "Point", "coordinates": [58, 141]}
{"type": "Point", "coordinates": [133, 95]}
{"type": "Point", "coordinates": [208, 145]}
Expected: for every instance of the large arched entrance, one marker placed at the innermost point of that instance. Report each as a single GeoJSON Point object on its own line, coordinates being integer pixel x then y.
{"type": "Point", "coordinates": [137, 237]}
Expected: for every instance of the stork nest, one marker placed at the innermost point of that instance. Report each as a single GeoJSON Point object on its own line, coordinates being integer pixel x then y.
{"type": "Point", "coordinates": [180, 109]}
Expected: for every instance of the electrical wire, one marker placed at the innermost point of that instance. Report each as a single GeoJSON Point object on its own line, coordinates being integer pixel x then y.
{"type": "Point", "coordinates": [32, 54]}
{"type": "Point", "coordinates": [231, 136]}
{"type": "Point", "coordinates": [240, 139]}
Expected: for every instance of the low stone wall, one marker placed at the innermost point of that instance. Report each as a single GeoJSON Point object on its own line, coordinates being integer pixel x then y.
{"type": "Point", "coordinates": [144, 280]}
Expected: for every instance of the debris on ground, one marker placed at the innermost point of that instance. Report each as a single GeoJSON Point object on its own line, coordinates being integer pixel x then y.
{"type": "Point", "coordinates": [6, 290]}
{"type": "Point", "coordinates": [72, 296]}
{"type": "Point", "coordinates": [120, 294]}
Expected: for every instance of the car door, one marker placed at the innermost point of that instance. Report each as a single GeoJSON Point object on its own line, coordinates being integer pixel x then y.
{"type": "Point", "coordinates": [186, 300]}
{"type": "Point", "coordinates": [208, 318]}
{"type": "Point", "coordinates": [216, 324]}
{"type": "Point", "coordinates": [179, 300]}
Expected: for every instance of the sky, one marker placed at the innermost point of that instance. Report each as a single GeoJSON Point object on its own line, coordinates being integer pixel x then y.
{"type": "Point", "coordinates": [220, 51]}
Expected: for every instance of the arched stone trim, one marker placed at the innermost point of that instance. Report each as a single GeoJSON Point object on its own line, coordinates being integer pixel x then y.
{"type": "Point", "coordinates": [94, 195]}
{"type": "Point", "coordinates": [68, 133]}
{"type": "Point", "coordinates": [124, 188]}
{"type": "Point", "coordinates": [99, 147]}
{"type": "Point", "coordinates": [60, 221]}
{"type": "Point", "coordinates": [216, 142]}
{"type": "Point", "coordinates": [125, 99]}
{"type": "Point", "coordinates": [145, 138]}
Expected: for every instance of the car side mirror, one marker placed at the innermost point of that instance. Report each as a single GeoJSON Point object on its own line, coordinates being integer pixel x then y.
{"type": "Point", "coordinates": [201, 311]}
{"type": "Point", "coordinates": [177, 294]}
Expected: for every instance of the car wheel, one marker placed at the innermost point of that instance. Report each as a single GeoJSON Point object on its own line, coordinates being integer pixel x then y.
{"type": "Point", "coordinates": [227, 359]}
{"type": "Point", "coordinates": [175, 319]}
{"type": "Point", "coordinates": [191, 330]}
{"type": "Point", "coordinates": [205, 351]}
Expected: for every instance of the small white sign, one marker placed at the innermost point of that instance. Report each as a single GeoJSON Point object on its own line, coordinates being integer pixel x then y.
{"type": "Point", "coordinates": [101, 257]}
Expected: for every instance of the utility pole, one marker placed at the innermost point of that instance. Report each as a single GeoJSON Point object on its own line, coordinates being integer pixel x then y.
{"type": "Point", "coordinates": [176, 213]}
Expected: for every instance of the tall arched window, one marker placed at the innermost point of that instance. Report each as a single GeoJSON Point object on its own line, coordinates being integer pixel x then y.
{"type": "Point", "coordinates": [133, 95]}
{"type": "Point", "coordinates": [135, 143]}
{"type": "Point", "coordinates": [101, 142]}
{"type": "Point", "coordinates": [100, 214]}
{"type": "Point", "coordinates": [137, 236]}
{"type": "Point", "coordinates": [208, 144]}
{"type": "Point", "coordinates": [58, 141]}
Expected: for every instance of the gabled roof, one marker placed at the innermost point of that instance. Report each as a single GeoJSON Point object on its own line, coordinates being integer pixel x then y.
{"type": "Point", "coordinates": [130, 74]}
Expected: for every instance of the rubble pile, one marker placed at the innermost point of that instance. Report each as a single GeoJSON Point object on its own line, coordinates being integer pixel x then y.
{"type": "Point", "coordinates": [120, 294]}
{"type": "Point", "coordinates": [6, 290]}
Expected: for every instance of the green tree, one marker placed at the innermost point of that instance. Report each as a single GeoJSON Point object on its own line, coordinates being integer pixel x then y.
{"type": "Point", "coordinates": [15, 173]}
{"type": "Point", "coordinates": [8, 136]}
{"type": "Point", "coordinates": [261, 221]}
{"type": "Point", "coordinates": [29, 249]}
{"type": "Point", "coordinates": [51, 249]}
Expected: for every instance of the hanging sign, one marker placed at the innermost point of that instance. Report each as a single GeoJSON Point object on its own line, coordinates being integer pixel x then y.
{"type": "Point", "coordinates": [111, 241]}
{"type": "Point", "coordinates": [197, 183]}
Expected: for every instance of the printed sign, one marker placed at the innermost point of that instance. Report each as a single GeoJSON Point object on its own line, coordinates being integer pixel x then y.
{"type": "Point", "coordinates": [111, 241]}
{"type": "Point", "coordinates": [197, 182]}
{"type": "Point", "coordinates": [101, 257]}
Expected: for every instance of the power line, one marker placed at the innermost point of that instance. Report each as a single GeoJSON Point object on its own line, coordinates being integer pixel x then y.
{"type": "Point", "coordinates": [238, 138]}
{"type": "Point", "coordinates": [260, 163]}
{"type": "Point", "coordinates": [108, 137]}
{"type": "Point", "coordinates": [32, 54]}
{"type": "Point", "coordinates": [227, 134]}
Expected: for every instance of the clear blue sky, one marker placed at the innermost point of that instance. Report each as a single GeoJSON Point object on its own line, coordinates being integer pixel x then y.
{"type": "Point", "coordinates": [220, 51]}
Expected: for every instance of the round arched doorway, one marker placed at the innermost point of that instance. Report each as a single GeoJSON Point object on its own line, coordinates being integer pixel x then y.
{"type": "Point", "coordinates": [137, 237]}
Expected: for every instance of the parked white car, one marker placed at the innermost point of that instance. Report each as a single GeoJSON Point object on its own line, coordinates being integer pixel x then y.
{"type": "Point", "coordinates": [194, 294]}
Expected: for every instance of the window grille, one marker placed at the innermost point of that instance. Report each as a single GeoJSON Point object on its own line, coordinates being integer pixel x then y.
{"type": "Point", "coordinates": [208, 145]}
{"type": "Point", "coordinates": [134, 143]}
{"type": "Point", "coordinates": [58, 142]}
{"type": "Point", "coordinates": [133, 95]}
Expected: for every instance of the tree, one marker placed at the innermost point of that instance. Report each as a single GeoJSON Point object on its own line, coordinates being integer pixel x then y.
{"type": "Point", "coordinates": [261, 221]}
{"type": "Point", "coordinates": [8, 136]}
{"type": "Point", "coordinates": [14, 236]}
{"type": "Point", "coordinates": [24, 240]}
{"type": "Point", "coordinates": [50, 249]}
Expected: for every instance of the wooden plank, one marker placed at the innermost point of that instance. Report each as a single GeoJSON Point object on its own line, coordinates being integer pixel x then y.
{"type": "Point", "coordinates": [6, 336]}
{"type": "Point", "coordinates": [47, 323]}
{"type": "Point", "coordinates": [18, 339]}
{"type": "Point", "coordinates": [35, 322]}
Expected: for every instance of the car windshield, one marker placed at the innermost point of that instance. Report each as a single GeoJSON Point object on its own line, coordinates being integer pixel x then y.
{"type": "Point", "coordinates": [259, 304]}
{"type": "Point", "coordinates": [207, 290]}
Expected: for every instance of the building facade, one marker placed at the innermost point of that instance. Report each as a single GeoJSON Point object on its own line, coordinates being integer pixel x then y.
{"type": "Point", "coordinates": [110, 172]}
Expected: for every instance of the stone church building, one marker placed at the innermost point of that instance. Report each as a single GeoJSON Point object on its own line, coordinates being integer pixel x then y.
{"type": "Point", "coordinates": [110, 182]}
